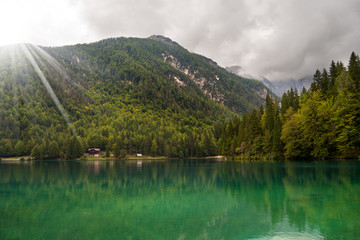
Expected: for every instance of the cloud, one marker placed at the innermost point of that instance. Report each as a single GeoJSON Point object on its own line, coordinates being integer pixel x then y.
{"type": "Point", "coordinates": [279, 39]}
{"type": "Point", "coordinates": [41, 22]}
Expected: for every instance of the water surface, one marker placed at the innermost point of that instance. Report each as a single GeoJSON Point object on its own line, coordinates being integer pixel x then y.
{"type": "Point", "coordinates": [179, 199]}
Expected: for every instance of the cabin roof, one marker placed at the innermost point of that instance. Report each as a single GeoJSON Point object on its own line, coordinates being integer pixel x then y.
{"type": "Point", "coordinates": [94, 149]}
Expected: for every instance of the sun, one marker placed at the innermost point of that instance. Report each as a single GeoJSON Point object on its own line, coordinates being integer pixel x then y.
{"type": "Point", "coordinates": [43, 22]}
{"type": "Point", "coordinates": [13, 21]}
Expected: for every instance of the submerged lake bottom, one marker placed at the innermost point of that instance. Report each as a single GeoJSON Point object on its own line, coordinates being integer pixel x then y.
{"type": "Point", "coordinates": [179, 199]}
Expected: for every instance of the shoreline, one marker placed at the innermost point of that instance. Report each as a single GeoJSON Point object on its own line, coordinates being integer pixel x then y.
{"type": "Point", "coordinates": [90, 158]}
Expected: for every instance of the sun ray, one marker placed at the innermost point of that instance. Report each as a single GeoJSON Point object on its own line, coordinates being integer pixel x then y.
{"type": "Point", "coordinates": [56, 65]}
{"type": "Point", "coordinates": [52, 61]}
{"type": "Point", "coordinates": [30, 54]}
{"type": "Point", "coordinates": [12, 52]}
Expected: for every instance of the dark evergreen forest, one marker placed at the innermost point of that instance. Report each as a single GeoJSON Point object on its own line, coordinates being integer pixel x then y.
{"type": "Point", "coordinates": [320, 123]}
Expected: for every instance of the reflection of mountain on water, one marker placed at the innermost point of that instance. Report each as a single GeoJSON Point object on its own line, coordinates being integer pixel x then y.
{"type": "Point", "coordinates": [185, 199]}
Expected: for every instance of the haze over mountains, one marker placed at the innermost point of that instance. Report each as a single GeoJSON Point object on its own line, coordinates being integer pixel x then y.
{"type": "Point", "coordinates": [277, 87]}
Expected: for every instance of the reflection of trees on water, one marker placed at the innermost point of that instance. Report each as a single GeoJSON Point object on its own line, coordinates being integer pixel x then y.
{"type": "Point", "coordinates": [190, 198]}
{"type": "Point", "coordinates": [324, 197]}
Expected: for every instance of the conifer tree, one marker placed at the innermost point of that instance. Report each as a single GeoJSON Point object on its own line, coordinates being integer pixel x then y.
{"type": "Point", "coordinates": [315, 85]}
{"type": "Point", "coordinates": [347, 110]}
{"type": "Point", "coordinates": [284, 102]}
{"type": "Point", "coordinates": [325, 82]}
{"type": "Point", "coordinates": [354, 69]}
{"type": "Point", "coordinates": [333, 73]}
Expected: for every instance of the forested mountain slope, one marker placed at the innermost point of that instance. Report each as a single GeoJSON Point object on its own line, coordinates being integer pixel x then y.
{"type": "Point", "coordinates": [320, 123]}
{"type": "Point", "coordinates": [122, 95]}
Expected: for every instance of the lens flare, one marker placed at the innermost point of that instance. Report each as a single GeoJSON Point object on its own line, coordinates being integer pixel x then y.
{"type": "Point", "coordinates": [30, 54]}
{"type": "Point", "coordinates": [55, 64]}
{"type": "Point", "coordinates": [15, 89]}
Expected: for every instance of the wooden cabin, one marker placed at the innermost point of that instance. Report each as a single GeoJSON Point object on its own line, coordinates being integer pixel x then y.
{"type": "Point", "coordinates": [94, 151]}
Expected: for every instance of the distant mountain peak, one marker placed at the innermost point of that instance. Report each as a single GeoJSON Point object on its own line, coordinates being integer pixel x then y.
{"type": "Point", "coordinates": [164, 40]}
{"type": "Point", "coordinates": [277, 87]}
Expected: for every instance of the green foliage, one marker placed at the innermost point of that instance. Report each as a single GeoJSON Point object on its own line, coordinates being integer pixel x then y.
{"type": "Point", "coordinates": [255, 134]}
{"type": "Point", "coordinates": [292, 136]}
{"type": "Point", "coordinates": [120, 95]}
{"type": "Point", "coordinates": [36, 152]}
{"type": "Point", "coordinates": [20, 148]}
{"type": "Point", "coordinates": [53, 150]}
{"type": "Point", "coordinates": [346, 116]}
{"type": "Point", "coordinates": [6, 148]}
{"type": "Point", "coordinates": [122, 154]}
{"type": "Point", "coordinates": [154, 147]}
{"type": "Point", "coordinates": [74, 148]}
{"type": "Point", "coordinates": [316, 124]}
{"type": "Point", "coordinates": [290, 99]}
{"type": "Point", "coordinates": [118, 145]}
{"type": "Point", "coordinates": [354, 69]}
{"type": "Point", "coordinates": [323, 122]}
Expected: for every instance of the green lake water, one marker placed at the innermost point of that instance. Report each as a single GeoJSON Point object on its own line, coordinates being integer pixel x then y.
{"type": "Point", "coordinates": [179, 199]}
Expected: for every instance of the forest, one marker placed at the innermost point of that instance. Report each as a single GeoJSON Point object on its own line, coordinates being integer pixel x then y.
{"type": "Point", "coordinates": [121, 96]}
{"type": "Point", "coordinates": [322, 122]}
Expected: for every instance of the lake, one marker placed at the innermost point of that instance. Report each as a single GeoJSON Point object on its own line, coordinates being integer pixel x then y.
{"type": "Point", "coordinates": [179, 199]}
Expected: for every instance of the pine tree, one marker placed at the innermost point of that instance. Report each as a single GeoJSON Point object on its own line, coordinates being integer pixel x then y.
{"type": "Point", "coordinates": [347, 112]}
{"type": "Point", "coordinates": [316, 81]}
{"type": "Point", "coordinates": [345, 83]}
{"type": "Point", "coordinates": [285, 104]}
{"type": "Point", "coordinates": [269, 113]}
{"type": "Point", "coordinates": [325, 82]}
{"type": "Point", "coordinates": [333, 73]}
{"type": "Point", "coordinates": [354, 69]}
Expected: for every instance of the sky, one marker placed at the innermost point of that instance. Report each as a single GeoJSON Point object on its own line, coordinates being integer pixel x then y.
{"type": "Point", "coordinates": [277, 39]}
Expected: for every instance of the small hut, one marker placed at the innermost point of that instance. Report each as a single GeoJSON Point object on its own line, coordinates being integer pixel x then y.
{"type": "Point", "coordinates": [94, 152]}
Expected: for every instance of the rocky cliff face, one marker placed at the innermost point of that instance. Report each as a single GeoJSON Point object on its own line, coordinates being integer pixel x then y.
{"type": "Point", "coordinates": [234, 92]}
{"type": "Point", "coordinates": [199, 80]}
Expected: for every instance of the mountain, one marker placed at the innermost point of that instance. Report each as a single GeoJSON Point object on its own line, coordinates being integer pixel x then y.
{"type": "Point", "coordinates": [120, 94]}
{"type": "Point", "coordinates": [277, 87]}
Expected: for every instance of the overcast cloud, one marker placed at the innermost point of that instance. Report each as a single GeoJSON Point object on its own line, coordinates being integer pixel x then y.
{"type": "Point", "coordinates": [279, 39]}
